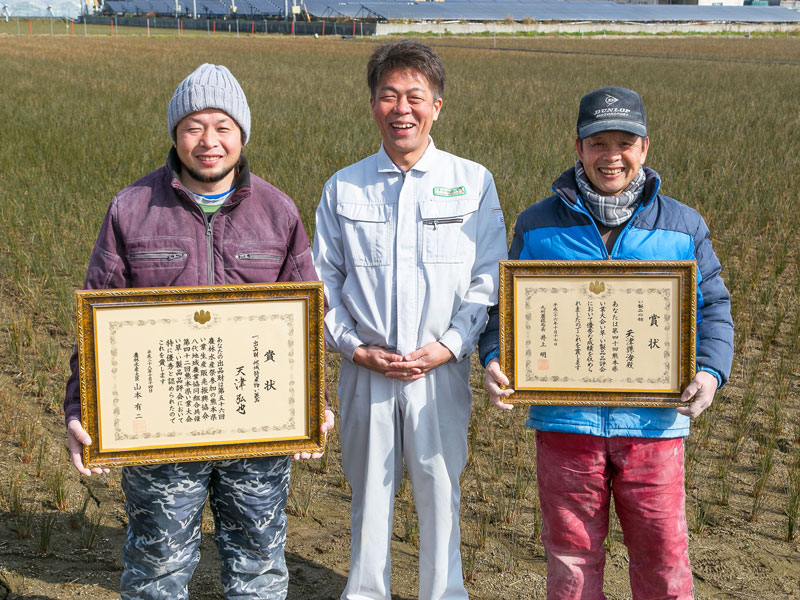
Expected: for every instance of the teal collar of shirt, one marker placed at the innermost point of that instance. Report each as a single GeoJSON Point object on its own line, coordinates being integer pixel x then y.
{"type": "Point", "coordinates": [424, 164]}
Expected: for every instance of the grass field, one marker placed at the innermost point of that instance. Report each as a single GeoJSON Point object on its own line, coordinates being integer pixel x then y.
{"type": "Point", "coordinates": [83, 117]}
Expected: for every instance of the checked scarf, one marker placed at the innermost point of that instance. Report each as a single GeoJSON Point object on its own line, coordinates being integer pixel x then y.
{"type": "Point", "coordinates": [611, 211]}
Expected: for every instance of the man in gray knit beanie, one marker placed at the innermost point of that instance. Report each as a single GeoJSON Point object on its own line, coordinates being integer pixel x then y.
{"type": "Point", "coordinates": [202, 219]}
{"type": "Point", "coordinates": [209, 86]}
{"type": "Point", "coordinates": [208, 119]}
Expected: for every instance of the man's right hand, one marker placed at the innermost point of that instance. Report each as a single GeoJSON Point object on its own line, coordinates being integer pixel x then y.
{"type": "Point", "coordinates": [494, 379]}
{"type": "Point", "coordinates": [77, 438]}
{"type": "Point", "coordinates": [375, 358]}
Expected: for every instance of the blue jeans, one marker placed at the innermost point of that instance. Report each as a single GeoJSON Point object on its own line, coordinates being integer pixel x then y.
{"type": "Point", "coordinates": [164, 504]}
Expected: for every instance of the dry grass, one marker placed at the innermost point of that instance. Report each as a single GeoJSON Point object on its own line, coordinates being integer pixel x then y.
{"type": "Point", "coordinates": [85, 117]}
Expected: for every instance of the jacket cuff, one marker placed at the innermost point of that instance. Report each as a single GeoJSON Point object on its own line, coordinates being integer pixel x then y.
{"type": "Point", "coordinates": [72, 412]}
{"type": "Point", "coordinates": [348, 346]}
{"type": "Point", "coordinates": [493, 354]}
{"type": "Point", "coordinates": [453, 342]}
{"type": "Point", "coordinates": [714, 373]}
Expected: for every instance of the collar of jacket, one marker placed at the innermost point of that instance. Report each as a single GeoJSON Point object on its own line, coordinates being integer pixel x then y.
{"type": "Point", "coordinates": [242, 179]}
{"type": "Point", "coordinates": [424, 164]}
{"type": "Point", "coordinates": [566, 187]}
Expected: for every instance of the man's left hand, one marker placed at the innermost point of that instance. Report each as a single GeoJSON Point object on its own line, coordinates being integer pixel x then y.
{"type": "Point", "coordinates": [324, 428]}
{"type": "Point", "coordinates": [415, 364]}
{"type": "Point", "coordinates": [702, 388]}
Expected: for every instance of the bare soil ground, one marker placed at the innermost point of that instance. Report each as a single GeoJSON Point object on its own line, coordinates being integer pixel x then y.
{"type": "Point", "coordinates": [732, 557]}
{"type": "Point", "coordinates": [61, 535]}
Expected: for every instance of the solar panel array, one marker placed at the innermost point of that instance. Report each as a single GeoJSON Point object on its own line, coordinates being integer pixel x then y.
{"type": "Point", "coordinates": [211, 7]}
{"type": "Point", "coordinates": [266, 8]}
{"type": "Point", "coordinates": [449, 10]}
{"type": "Point", "coordinates": [204, 7]}
{"type": "Point", "coordinates": [259, 7]}
{"type": "Point", "coordinates": [546, 10]}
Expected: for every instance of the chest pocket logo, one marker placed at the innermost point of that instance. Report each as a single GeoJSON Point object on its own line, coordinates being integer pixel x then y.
{"type": "Point", "coordinates": [367, 232]}
{"type": "Point", "coordinates": [448, 230]}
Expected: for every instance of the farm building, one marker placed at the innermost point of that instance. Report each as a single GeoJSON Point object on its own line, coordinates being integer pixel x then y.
{"type": "Point", "coordinates": [475, 13]}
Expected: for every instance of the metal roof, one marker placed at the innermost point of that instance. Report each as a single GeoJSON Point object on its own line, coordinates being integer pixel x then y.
{"type": "Point", "coordinates": [547, 10]}
{"type": "Point", "coordinates": [453, 10]}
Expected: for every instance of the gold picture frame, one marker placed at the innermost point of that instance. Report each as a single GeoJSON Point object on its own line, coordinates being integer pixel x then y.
{"type": "Point", "coordinates": [180, 374]}
{"type": "Point", "coordinates": [627, 339]}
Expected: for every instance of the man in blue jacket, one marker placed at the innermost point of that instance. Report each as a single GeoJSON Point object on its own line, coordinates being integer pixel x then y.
{"type": "Point", "coordinates": [609, 206]}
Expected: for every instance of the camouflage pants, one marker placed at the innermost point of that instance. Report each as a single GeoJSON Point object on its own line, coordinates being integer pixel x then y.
{"type": "Point", "coordinates": [164, 505]}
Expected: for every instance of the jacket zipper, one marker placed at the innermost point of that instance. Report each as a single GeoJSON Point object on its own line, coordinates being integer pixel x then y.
{"type": "Point", "coordinates": [257, 256]}
{"type": "Point", "coordinates": [167, 255]}
{"type": "Point", "coordinates": [624, 230]}
{"type": "Point", "coordinates": [209, 250]}
{"type": "Point", "coordinates": [209, 238]}
{"type": "Point", "coordinates": [436, 222]}
{"type": "Point", "coordinates": [602, 244]}
{"type": "Point", "coordinates": [585, 213]}
{"type": "Point", "coordinates": [639, 209]}
{"type": "Point", "coordinates": [209, 234]}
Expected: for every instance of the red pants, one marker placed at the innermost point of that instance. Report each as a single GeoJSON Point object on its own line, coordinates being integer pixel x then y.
{"type": "Point", "coordinates": [577, 474]}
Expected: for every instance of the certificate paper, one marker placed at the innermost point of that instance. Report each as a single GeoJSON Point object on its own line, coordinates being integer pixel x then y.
{"type": "Point", "coordinates": [201, 374]}
{"type": "Point", "coordinates": [604, 334]}
{"type": "Point", "coordinates": [598, 332]}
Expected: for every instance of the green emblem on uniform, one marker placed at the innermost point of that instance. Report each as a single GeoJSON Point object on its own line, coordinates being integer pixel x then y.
{"type": "Point", "coordinates": [449, 192]}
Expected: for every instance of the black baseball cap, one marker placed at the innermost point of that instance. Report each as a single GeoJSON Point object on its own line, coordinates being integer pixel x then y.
{"type": "Point", "coordinates": [611, 109]}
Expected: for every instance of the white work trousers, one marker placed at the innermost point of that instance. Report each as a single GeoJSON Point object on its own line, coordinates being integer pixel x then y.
{"type": "Point", "coordinates": [383, 421]}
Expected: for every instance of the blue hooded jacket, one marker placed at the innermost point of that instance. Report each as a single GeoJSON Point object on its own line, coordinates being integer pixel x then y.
{"type": "Point", "coordinates": [560, 228]}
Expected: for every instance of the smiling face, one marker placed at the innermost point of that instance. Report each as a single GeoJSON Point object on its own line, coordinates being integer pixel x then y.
{"type": "Point", "coordinates": [209, 144]}
{"type": "Point", "coordinates": [612, 159]}
{"type": "Point", "coordinates": [404, 107]}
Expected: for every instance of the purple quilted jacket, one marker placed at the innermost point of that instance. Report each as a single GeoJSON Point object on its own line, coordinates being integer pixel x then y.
{"type": "Point", "coordinates": [156, 235]}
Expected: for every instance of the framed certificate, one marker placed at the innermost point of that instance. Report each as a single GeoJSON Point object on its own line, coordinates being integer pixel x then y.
{"type": "Point", "coordinates": [598, 333]}
{"type": "Point", "coordinates": [201, 373]}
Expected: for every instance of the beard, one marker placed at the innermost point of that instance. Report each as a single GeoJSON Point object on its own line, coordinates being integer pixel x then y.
{"type": "Point", "coordinates": [208, 177]}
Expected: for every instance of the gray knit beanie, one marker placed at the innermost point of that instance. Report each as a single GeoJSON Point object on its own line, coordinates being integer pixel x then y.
{"type": "Point", "coordinates": [210, 86]}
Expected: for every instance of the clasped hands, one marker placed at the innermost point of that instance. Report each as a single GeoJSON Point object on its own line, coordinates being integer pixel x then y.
{"type": "Point", "coordinates": [410, 367]}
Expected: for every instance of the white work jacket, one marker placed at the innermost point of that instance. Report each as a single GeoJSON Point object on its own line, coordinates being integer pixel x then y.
{"type": "Point", "coordinates": [409, 258]}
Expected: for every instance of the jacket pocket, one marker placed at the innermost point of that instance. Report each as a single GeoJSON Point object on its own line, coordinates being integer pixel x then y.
{"type": "Point", "coordinates": [265, 256]}
{"type": "Point", "coordinates": [448, 230]}
{"type": "Point", "coordinates": [156, 262]}
{"type": "Point", "coordinates": [167, 255]}
{"type": "Point", "coordinates": [253, 261]}
{"type": "Point", "coordinates": [367, 233]}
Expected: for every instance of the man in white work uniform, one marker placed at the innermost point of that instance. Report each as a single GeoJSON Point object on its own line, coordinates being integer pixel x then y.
{"type": "Point", "coordinates": [407, 244]}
